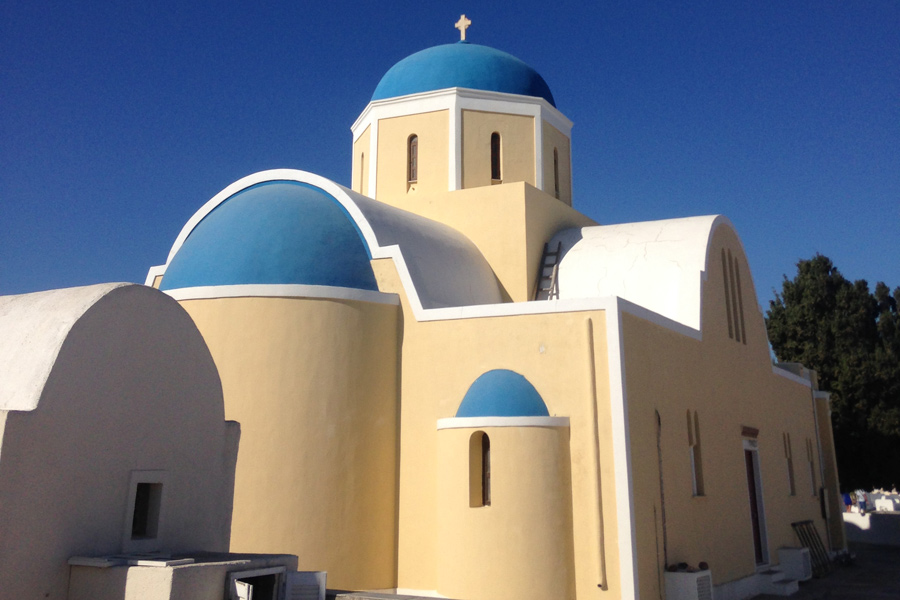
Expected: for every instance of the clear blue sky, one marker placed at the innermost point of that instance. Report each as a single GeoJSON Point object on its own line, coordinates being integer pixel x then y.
{"type": "Point", "coordinates": [119, 119]}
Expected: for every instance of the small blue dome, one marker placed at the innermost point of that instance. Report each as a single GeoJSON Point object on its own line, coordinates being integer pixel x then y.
{"type": "Point", "coordinates": [276, 232]}
{"type": "Point", "coordinates": [462, 65]}
{"type": "Point", "coordinates": [502, 393]}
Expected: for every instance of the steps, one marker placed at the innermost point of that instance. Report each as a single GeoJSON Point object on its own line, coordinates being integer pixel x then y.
{"type": "Point", "coordinates": [775, 583]}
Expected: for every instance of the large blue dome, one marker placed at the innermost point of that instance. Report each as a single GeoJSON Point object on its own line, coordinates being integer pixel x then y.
{"type": "Point", "coordinates": [462, 65]}
{"type": "Point", "coordinates": [502, 393]}
{"type": "Point", "coordinates": [276, 232]}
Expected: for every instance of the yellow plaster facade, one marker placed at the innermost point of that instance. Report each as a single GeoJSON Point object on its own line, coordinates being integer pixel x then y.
{"type": "Point", "coordinates": [517, 156]}
{"type": "Point", "coordinates": [557, 163]}
{"type": "Point", "coordinates": [292, 485]}
{"type": "Point", "coordinates": [432, 130]}
{"type": "Point", "coordinates": [652, 381]}
{"type": "Point", "coordinates": [360, 166]}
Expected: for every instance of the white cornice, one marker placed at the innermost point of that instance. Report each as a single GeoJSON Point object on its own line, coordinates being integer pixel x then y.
{"type": "Point", "coordinates": [467, 99]}
{"type": "Point", "coordinates": [476, 422]}
{"type": "Point", "coordinates": [329, 292]}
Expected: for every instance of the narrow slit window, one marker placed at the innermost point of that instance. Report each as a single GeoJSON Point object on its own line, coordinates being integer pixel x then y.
{"type": "Point", "coordinates": [812, 466]}
{"type": "Point", "coordinates": [479, 470]}
{"type": "Point", "coordinates": [496, 175]}
{"type": "Point", "coordinates": [737, 278]}
{"type": "Point", "coordinates": [727, 295]}
{"type": "Point", "coordinates": [485, 470]}
{"type": "Point", "coordinates": [693, 429]}
{"type": "Point", "coordinates": [362, 170]}
{"type": "Point", "coordinates": [412, 159]}
{"type": "Point", "coordinates": [734, 300]}
{"type": "Point", "coordinates": [790, 463]}
{"type": "Point", "coordinates": [556, 173]}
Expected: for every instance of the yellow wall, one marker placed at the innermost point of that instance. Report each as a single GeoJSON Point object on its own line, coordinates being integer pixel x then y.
{"type": "Point", "coordinates": [434, 139]}
{"type": "Point", "coordinates": [509, 223]}
{"type": "Point", "coordinates": [313, 383]}
{"type": "Point", "coordinates": [359, 171]}
{"type": "Point", "coordinates": [831, 484]}
{"type": "Point", "coordinates": [517, 155]}
{"type": "Point", "coordinates": [554, 138]}
{"type": "Point", "coordinates": [729, 384]}
{"type": "Point", "coordinates": [530, 514]}
{"type": "Point", "coordinates": [441, 359]}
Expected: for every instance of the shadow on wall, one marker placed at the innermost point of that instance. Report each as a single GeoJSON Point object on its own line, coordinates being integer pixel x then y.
{"type": "Point", "coordinates": [873, 528]}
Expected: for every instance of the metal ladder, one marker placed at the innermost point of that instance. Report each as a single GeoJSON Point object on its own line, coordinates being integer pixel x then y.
{"type": "Point", "coordinates": [547, 282]}
{"type": "Point", "coordinates": [809, 536]}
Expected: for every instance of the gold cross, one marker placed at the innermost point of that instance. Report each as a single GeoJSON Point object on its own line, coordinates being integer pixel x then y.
{"type": "Point", "coordinates": [462, 25]}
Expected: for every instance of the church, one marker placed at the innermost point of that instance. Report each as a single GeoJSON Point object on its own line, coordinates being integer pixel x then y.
{"type": "Point", "coordinates": [451, 383]}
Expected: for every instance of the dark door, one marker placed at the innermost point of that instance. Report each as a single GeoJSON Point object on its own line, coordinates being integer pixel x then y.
{"type": "Point", "coordinates": [754, 505]}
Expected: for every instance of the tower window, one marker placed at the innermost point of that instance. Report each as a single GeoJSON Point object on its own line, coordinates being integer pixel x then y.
{"type": "Point", "coordinates": [556, 173]}
{"type": "Point", "coordinates": [479, 470]}
{"type": "Point", "coordinates": [496, 175]}
{"type": "Point", "coordinates": [412, 158]}
{"type": "Point", "coordinates": [362, 170]}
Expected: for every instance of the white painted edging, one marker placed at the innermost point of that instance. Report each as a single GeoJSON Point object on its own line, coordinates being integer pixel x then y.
{"type": "Point", "coordinates": [455, 100]}
{"type": "Point", "coordinates": [475, 422]}
{"type": "Point", "coordinates": [283, 291]}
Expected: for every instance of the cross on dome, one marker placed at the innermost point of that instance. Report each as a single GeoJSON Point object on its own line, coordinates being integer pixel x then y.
{"type": "Point", "coordinates": [462, 25]}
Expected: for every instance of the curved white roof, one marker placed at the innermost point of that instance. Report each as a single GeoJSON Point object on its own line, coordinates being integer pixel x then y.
{"type": "Point", "coordinates": [445, 267]}
{"type": "Point", "coordinates": [659, 265]}
{"type": "Point", "coordinates": [33, 328]}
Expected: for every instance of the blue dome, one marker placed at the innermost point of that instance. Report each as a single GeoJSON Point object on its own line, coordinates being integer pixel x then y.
{"type": "Point", "coordinates": [502, 393]}
{"type": "Point", "coordinates": [276, 232]}
{"type": "Point", "coordinates": [462, 65]}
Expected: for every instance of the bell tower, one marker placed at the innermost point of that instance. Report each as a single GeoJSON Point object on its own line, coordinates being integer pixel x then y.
{"type": "Point", "coordinates": [470, 136]}
{"type": "Point", "coordinates": [456, 117]}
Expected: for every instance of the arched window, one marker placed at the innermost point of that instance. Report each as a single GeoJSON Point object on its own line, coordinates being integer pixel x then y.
{"type": "Point", "coordinates": [412, 158]}
{"type": "Point", "coordinates": [495, 157]}
{"type": "Point", "coordinates": [693, 430]}
{"type": "Point", "coordinates": [485, 470]}
{"type": "Point", "coordinates": [556, 173]}
{"type": "Point", "coordinates": [479, 470]}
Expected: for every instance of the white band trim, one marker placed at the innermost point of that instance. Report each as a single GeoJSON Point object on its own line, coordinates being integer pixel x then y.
{"type": "Point", "coordinates": [474, 422]}
{"type": "Point", "coordinates": [283, 291]}
{"type": "Point", "coordinates": [792, 376]}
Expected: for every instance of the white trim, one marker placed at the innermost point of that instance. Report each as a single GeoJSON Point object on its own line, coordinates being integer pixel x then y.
{"type": "Point", "coordinates": [153, 273]}
{"type": "Point", "coordinates": [456, 100]}
{"type": "Point", "coordinates": [283, 291]}
{"type": "Point", "coordinates": [539, 155]}
{"type": "Point", "coordinates": [343, 196]}
{"type": "Point", "coordinates": [791, 376]}
{"type": "Point", "coordinates": [414, 592]}
{"type": "Point", "coordinates": [439, 99]}
{"type": "Point", "coordinates": [477, 422]}
{"type": "Point", "coordinates": [454, 171]}
{"type": "Point", "coordinates": [621, 439]}
{"type": "Point", "coordinates": [373, 159]}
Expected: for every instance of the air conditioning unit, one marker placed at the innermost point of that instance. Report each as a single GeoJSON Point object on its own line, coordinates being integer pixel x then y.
{"type": "Point", "coordinates": [689, 586]}
{"type": "Point", "coordinates": [795, 563]}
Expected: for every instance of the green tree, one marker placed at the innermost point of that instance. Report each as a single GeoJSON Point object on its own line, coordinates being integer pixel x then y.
{"type": "Point", "coordinates": [851, 337]}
